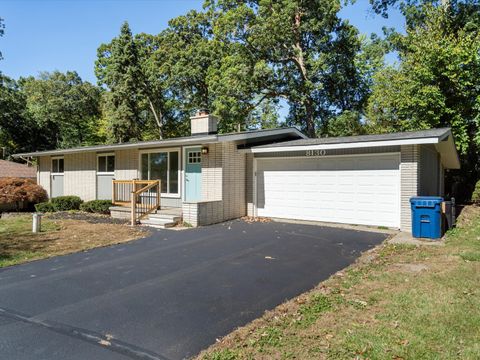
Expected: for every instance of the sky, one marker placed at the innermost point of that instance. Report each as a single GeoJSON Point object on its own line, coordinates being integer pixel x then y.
{"type": "Point", "coordinates": [46, 35]}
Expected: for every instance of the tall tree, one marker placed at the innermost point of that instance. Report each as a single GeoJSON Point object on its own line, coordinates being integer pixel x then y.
{"type": "Point", "coordinates": [17, 130]}
{"type": "Point", "coordinates": [436, 84]}
{"type": "Point", "coordinates": [302, 51]}
{"type": "Point", "coordinates": [64, 107]}
{"type": "Point", "coordinates": [118, 68]}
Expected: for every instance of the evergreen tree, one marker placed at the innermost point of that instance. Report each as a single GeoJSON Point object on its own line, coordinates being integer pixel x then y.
{"type": "Point", "coordinates": [118, 68]}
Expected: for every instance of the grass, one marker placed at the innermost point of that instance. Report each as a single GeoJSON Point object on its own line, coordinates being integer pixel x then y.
{"type": "Point", "coordinates": [397, 302]}
{"type": "Point", "coordinates": [18, 244]}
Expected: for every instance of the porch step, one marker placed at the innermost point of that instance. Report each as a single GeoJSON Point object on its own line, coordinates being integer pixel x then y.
{"type": "Point", "coordinates": [162, 216]}
{"type": "Point", "coordinates": [158, 223]}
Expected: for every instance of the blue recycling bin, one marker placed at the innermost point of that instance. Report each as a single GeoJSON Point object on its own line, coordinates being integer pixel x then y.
{"type": "Point", "coordinates": [426, 217]}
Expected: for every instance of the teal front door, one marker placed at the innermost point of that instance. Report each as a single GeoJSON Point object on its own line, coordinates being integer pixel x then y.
{"type": "Point", "coordinates": [193, 174]}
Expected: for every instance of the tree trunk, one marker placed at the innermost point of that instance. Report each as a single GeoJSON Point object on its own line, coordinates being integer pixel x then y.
{"type": "Point", "coordinates": [310, 118]}
{"type": "Point", "coordinates": [157, 118]}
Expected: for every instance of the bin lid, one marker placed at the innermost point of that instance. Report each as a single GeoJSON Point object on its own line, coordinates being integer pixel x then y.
{"type": "Point", "coordinates": [426, 201]}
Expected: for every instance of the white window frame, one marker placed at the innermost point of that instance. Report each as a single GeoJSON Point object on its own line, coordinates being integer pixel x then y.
{"type": "Point", "coordinates": [164, 150]}
{"type": "Point", "coordinates": [51, 165]}
{"type": "Point", "coordinates": [98, 161]}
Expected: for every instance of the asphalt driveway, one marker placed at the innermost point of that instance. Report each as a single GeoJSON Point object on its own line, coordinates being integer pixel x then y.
{"type": "Point", "coordinates": [166, 296]}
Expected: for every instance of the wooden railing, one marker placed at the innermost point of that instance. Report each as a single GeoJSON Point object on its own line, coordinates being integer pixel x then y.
{"type": "Point", "coordinates": [143, 197]}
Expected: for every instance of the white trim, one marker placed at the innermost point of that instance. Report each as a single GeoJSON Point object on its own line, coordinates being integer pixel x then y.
{"type": "Point", "coordinates": [114, 165]}
{"type": "Point", "coordinates": [255, 166]}
{"type": "Point", "coordinates": [254, 187]}
{"type": "Point", "coordinates": [51, 165]}
{"type": "Point", "coordinates": [365, 144]}
{"type": "Point", "coordinates": [178, 150]}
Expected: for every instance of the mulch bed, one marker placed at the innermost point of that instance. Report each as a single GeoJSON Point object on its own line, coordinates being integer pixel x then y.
{"type": "Point", "coordinates": [84, 216]}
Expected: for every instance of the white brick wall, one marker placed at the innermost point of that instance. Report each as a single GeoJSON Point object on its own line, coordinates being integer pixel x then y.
{"type": "Point", "coordinates": [223, 187]}
{"type": "Point", "coordinates": [409, 177]}
{"type": "Point", "coordinates": [234, 182]}
{"type": "Point", "coordinates": [80, 175]}
{"type": "Point", "coordinates": [212, 173]}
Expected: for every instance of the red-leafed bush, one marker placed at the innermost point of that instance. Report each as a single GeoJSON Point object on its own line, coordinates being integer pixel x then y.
{"type": "Point", "coordinates": [18, 190]}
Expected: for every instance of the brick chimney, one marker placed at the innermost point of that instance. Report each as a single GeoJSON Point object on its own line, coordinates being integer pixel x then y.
{"type": "Point", "coordinates": [203, 123]}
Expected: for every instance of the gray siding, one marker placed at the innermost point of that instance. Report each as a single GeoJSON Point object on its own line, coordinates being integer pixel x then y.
{"type": "Point", "coordinates": [333, 152]}
{"type": "Point", "coordinates": [43, 176]}
{"type": "Point", "coordinates": [80, 175]}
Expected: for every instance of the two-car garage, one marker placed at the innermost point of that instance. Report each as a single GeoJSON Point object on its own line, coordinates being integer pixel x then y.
{"type": "Point", "coordinates": [366, 180]}
{"type": "Point", "coordinates": [361, 189]}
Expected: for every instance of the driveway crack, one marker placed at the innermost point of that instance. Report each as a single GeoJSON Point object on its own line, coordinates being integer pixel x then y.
{"type": "Point", "coordinates": [121, 347]}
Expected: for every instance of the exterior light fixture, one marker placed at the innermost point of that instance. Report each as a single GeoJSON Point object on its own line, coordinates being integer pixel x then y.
{"type": "Point", "coordinates": [205, 150]}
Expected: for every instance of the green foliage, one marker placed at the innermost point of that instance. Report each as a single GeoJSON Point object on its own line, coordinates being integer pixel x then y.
{"type": "Point", "coordinates": [300, 51]}
{"type": "Point", "coordinates": [97, 206]}
{"type": "Point", "coordinates": [64, 107]}
{"type": "Point", "coordinates": [476, 193]}
{"type": "Point", "coordinates": [45, 207]}
{"type": "Point", "coordinates": [66, 203]}
{"type": "Point", "coordinates": [118, 68]}
{"type": "Point", "coordinates": [347, 123]}
{"type": "Point", "coordinates": [435, 85]}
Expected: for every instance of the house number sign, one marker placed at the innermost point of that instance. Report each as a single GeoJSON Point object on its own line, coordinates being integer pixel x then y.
{"type": "Point", "coordinates": [315, 152]}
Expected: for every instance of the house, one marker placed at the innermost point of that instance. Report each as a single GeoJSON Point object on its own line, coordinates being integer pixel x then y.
{"type": "Point", "coordinates": [13, 169]}
{"type": "Point", "coordinates": [208, 177]}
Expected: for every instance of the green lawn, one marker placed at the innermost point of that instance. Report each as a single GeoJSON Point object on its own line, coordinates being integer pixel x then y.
{"type": "Point", "coordinates": [398, 302]}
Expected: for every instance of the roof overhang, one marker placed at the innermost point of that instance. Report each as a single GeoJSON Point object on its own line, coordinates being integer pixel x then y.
{"type": "Point", "coordinates": [444, 145]}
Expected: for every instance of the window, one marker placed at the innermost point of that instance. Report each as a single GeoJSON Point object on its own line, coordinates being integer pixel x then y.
{"type": "Point", "coordinates": [106, 163]}
{"type": "Point", "coordinates": [163, 166]}
{"type": "Point", "coordinates": [57, 165]}
{"type": "Point", "coordinates": [194, 157]}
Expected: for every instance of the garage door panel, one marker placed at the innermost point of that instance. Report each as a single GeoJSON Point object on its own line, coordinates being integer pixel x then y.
{"type": "Point", "coordinates": [357, 190]}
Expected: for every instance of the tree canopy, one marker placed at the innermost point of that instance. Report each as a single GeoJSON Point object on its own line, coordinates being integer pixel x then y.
{"type": "Point", "coordinates": [436, 83]}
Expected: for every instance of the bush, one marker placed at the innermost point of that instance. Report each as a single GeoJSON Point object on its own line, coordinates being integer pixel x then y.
{"type": "Point", "coordinates": [65, 203]}
{"type": "Point", "coordinates": [97, 206]}
{"type": "Point", "coordinates": [16, 190]}
{"type": "Point", "coordinates": [44, 207]}
{"type": "Point", "coordinates": [476, 193]}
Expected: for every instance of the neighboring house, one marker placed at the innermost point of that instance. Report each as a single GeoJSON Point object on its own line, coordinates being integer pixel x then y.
{"type": "Point", "coordinates": [13, 169]}
{"type": "Point", "coordinates": [278, 173]}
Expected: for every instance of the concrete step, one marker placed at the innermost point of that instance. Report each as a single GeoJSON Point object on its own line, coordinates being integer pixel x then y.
{"type": "Point", "coordinates": [158, 223]}
{"type": "Point", "coordinates": [173, 218]}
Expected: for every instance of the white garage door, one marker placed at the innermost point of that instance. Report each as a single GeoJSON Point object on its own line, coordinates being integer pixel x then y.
{"type": "Point", "coordinates": [353, 190]}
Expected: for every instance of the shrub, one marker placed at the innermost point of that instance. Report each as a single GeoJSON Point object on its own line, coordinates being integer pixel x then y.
{"type": "Point", "coordinates": [16, 190]}
{"type": "Point", "coordinates": [65, 203]}
{"type": "Point", "coordinates": [476, 193]}
{"type": "Point", "coordinates": [97, 206]}
{"type": "Point", "coordinates": [44, 207]}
